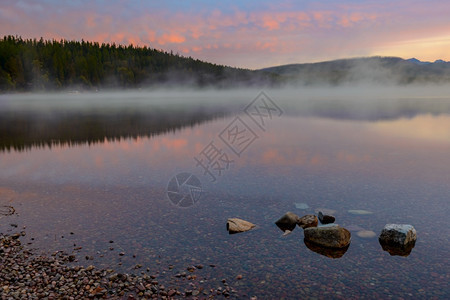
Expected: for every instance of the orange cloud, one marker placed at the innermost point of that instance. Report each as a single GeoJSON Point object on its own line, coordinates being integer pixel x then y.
{"type": "Point", "coordinates": [271, 24]}
{"type": "Point", "coordinates": [171, 38]}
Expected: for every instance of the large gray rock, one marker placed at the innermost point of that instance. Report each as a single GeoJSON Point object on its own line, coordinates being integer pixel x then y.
{"type": "Point", "coordinates": [398, 239]}
{"type": "Point", "coordinates": [328, 236]}
{"type": "Point", "coordinates": [398, 234]}
{"type": "Point", "coordinates": [235, 225]}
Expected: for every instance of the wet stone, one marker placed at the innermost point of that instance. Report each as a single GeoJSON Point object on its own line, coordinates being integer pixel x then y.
{"type": "Point", "coordinates": [326, 219]}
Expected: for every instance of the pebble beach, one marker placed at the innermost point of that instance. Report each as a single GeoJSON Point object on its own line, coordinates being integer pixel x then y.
{"type": "Point", "coordinates": [25, 274]}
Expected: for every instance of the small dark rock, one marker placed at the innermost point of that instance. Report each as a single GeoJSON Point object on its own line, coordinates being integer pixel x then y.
{"type": "Point", "coordinates": [326, 219]}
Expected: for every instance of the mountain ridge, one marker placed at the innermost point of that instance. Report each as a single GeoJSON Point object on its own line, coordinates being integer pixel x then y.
{"type": "Point", "coordinates": [374, 69]}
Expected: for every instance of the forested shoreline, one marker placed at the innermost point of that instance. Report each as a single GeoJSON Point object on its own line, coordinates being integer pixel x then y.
{"type": "Point", "coordinates": [50, 65]}
{"type": "Point", "coordinates": [31, 64]}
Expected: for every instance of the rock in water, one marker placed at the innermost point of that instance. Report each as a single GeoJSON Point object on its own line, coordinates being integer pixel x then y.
{"type": "Point", "coordinates": [398, 234]}
{"type": "Point", "coordinates": [235, 225]}
{"type": "Point", "coordinates": [307, 221]}
{"type": "Point", "coordinates": [328, 236]}
{"type": "Point", "coordinates": [288, 221]}
{"type": "Point", "coordinates": [326, 219]}
{"type": "Point", "coordinates": [398, 239]}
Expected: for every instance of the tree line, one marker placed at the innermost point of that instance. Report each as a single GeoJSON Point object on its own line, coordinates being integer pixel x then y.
{"type": "Point", "coordinates": [31, 64]}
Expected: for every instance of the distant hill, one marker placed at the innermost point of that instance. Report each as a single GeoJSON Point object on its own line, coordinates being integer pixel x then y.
{"type": "Point", "coordinates": [382, 70]}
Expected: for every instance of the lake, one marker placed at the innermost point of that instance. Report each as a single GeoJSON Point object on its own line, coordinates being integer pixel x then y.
{"type": "Point", "coordinates": [93, 170]}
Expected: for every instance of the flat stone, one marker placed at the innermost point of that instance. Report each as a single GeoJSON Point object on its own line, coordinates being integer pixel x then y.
{"type": "Point", "coordinates": [235, 225]}
{"type": "Point", "coordinates": [328, 236]}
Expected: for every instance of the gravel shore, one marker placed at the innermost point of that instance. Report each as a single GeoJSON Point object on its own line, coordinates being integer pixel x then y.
{"type": "Point", "coordinates": [26, 275]}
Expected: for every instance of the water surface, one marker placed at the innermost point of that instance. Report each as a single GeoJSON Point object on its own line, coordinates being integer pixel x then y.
{"type": "Point", "coordinates": [82, 177]}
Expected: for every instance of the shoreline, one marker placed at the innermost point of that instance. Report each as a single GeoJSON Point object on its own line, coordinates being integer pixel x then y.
{"type": "Point", "coordinates": [26, 274]}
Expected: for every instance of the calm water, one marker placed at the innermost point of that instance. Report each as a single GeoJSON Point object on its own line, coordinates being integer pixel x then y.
{"type": "Point", "coordinates": [85, 175]}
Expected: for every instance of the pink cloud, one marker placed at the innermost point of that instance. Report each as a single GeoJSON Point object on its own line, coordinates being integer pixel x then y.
{"type": "Point", "coordinates": [171, 38]}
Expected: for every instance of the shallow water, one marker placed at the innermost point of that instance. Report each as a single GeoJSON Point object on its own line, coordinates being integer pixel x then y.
{"type": "Point", "coordinates": [85, 179]}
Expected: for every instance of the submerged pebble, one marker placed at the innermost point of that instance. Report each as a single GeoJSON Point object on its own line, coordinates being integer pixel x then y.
{"type": "Point", "coordinates": [301, 205]}
{"type": "Point", "coordinates": [366, 234]}
{"type": "Point", "coordinates": [359, 212]}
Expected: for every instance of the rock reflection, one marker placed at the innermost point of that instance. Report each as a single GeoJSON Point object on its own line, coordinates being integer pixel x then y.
{"type": "Point", "coordinates": [398, 250]}
{"type": "Point", "coordinates": [328, 252]}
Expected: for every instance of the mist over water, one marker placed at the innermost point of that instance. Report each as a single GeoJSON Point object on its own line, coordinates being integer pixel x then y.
{"type": "Point", "coordinates": [47, 118]}
{"type": "Point", "coordinates": [422, 97]}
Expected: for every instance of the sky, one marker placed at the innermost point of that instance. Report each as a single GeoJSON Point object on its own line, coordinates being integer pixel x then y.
{"type": "Point", "coordinates": [247, 34]}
